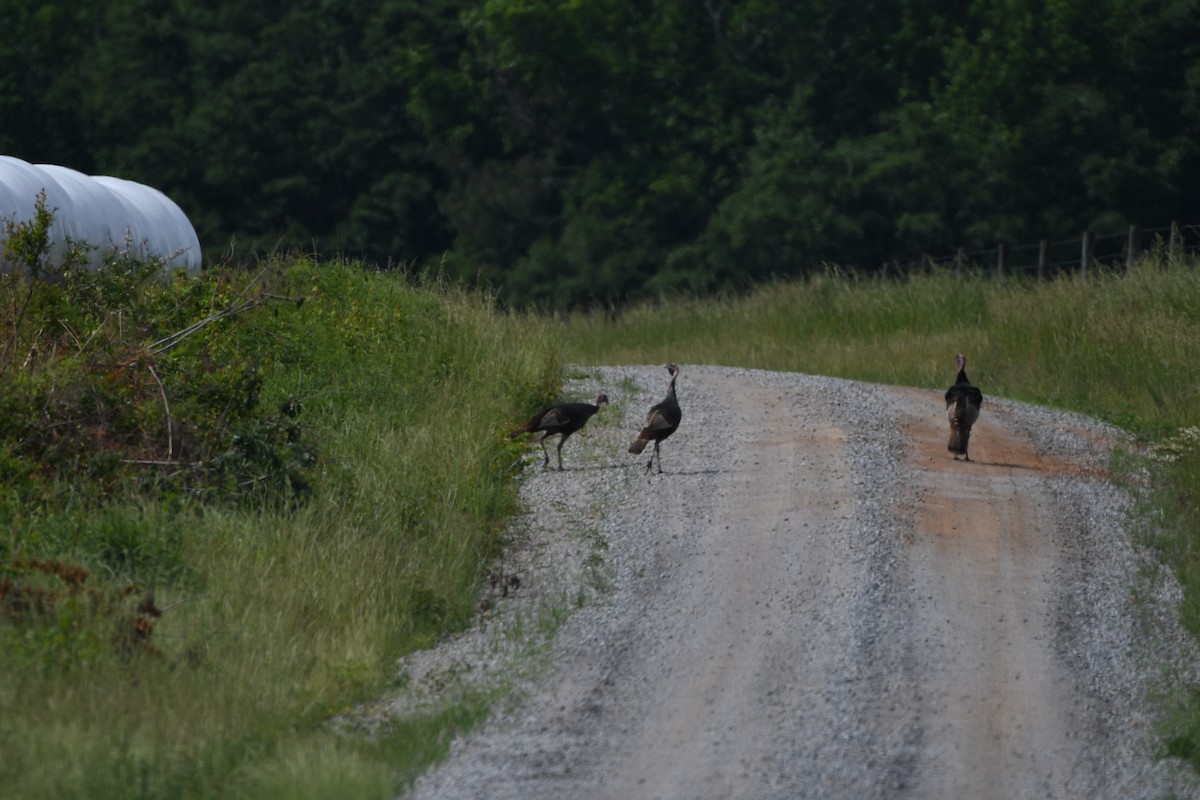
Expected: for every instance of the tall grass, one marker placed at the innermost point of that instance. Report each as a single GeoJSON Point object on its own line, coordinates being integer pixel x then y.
{"type": "Point", "coordinates": [281, 617]}
{"type": "Point", "coordinates": [1119, 346]}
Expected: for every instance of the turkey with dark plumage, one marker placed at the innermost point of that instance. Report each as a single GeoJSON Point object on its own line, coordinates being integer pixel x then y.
{"type": "Point", "coordinates": [963, 400]}
{"type": "Point", "coordinates": [563, 419]}
{"type": "Point", "coordinates": [662, 420]}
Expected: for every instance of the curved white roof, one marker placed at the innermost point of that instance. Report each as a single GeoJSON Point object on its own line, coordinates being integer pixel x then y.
{"type": "Point", "coordinates": [101, 211]}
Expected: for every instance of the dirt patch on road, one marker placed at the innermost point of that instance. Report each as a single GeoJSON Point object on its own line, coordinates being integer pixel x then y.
{"type": "Point", "coordinates": [997, 443]}
{"type": "Point", "coordinates": [999, 710]}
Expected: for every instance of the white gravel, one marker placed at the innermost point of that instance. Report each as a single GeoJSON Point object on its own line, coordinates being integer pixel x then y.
{"type": "Point", "coordinates": [814, 602]}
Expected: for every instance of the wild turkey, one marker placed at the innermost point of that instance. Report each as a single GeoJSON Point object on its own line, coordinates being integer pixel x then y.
{"type": "Point", "coordinates": [661, 422]}
{"type": "Point", "coordinates": [563, 419]}
{"type": "Point", "coordinates": [963, 400]}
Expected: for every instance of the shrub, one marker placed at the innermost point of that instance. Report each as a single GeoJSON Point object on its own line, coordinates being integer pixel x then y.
{"type": "Point", "coordinates": [126, 380]}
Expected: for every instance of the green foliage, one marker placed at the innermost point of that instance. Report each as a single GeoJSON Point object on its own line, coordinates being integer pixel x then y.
{"type": "Point", "coordinates": [921, 127]}
{"type": "Point", "coordinates": [122, 387]}
{"type": "Point", "coordinates": [223, 620]}
{"type": "Point", "coordinates": [27, 244]}
{"type": "Point", "coordinates": [1172, 511]}
{"type": "Point", "coordinates": [120, 379]}
{"type": "Point", "coordinates": [591, 154]}
{"type": "Point", "coordinates": [41, 79]}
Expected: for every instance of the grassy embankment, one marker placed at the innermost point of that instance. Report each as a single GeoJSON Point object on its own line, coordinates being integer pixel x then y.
{"type": "Point", "coordinates": [282, 592]}
{"type": "Point", "coordinates": [277, 616]}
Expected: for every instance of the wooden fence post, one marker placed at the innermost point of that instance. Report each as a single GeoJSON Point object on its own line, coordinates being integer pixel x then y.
{"type": "Point", "coordinates": [960, 260]}
{"type": "Point", "coordinates": [1173, 244]}
{"type": "Point", "coordinates": [1085, 257]}
{"type": "Point", "coordinates": [1133, 248]}
{"type": "Point", "coordinates": [1043, 258]}
{"type": "Point", "coordinates": [1001, 260]}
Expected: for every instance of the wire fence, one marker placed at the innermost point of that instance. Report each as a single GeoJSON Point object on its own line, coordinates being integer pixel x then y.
{"type": "Point", "coordinates": [1048, 259]}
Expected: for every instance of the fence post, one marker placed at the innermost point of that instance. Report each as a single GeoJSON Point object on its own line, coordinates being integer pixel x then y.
{"type": "Point", "coordinates": [1043, 258]}
{"type": "Point", "coordinates": [960, 260]}
{"type": "Point", "coordinates": [1173, 243]}
{"type": "Point", "coordinates": [1001, 260]}
{"type": "Point", "coordinates": [1134, 248]}
{"type": "Point", "coordinates": [1085, 258]}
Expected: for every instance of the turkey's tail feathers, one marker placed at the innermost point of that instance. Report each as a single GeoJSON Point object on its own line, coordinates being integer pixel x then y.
{"type": "Point", "coordinates": [639, 444]}
{"type": "Point", "coordinates": [527, 427]}
{"type": "Point", "coordinates": [960, 427]}
{"type": "Point", "coordinates": [959, 436]}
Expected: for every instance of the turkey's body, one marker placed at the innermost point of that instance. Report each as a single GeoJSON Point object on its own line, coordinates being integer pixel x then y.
{"type": "Point", "coordinates": [662, 420]}
{"type": "Point", "coordinates": [563, 419]}
{"type": "Point", "coordinates": [963, 401]}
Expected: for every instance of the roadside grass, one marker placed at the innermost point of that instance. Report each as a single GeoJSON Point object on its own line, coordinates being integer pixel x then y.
{"type": "Point", "coordinates": [278, 615]}
{"type": "Point", "coordinates": [1117, 346]}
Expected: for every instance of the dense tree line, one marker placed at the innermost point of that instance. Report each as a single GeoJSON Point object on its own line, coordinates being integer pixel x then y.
{"type": "Point", "coordinates": [589, 151]}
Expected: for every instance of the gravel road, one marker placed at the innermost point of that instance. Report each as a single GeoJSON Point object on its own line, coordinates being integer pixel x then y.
{"type": "Point", "coordinates": [815, 601]}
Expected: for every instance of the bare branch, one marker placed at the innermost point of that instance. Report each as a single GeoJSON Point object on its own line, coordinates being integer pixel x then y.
{"type": "Point", "coordinates": [167, 408]}
{"type": "Point", "coordinates": [167, 342]}
{"type": "Point", "coordinates": [184, 601]}
{"type": "Point", "coordinates": [259, 299]}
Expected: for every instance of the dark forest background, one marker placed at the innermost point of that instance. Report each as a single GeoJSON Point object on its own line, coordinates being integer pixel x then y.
{"type": "Point", "coordinates": [586, 152]}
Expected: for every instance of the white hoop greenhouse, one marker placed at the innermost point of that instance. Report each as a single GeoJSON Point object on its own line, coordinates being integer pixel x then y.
{"type": "Point", "coordinates": [106, 213]}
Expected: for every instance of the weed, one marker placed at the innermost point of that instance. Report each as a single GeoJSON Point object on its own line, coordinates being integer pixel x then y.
{"type": "Point", "coordinates": [57, 618]}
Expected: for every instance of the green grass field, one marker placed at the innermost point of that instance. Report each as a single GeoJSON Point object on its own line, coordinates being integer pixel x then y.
{"type": "Point", "coordinates": [1118, 346]}
{"type": "Point", "coordinates": [278, 615]}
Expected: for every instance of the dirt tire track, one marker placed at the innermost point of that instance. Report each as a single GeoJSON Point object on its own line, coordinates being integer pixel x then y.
{"type": "Point", "coordinates": [999, 706]}
{"type": "Point", "coordinates": [817, 601]}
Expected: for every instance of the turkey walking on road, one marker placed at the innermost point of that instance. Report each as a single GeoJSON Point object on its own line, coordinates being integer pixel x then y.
{"type": "Point", "coordinates": [564, 419]}
{"type": "Point", "coordinates": [661, 422]}
{"type": "Point", "coordinates": [963, 400]}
